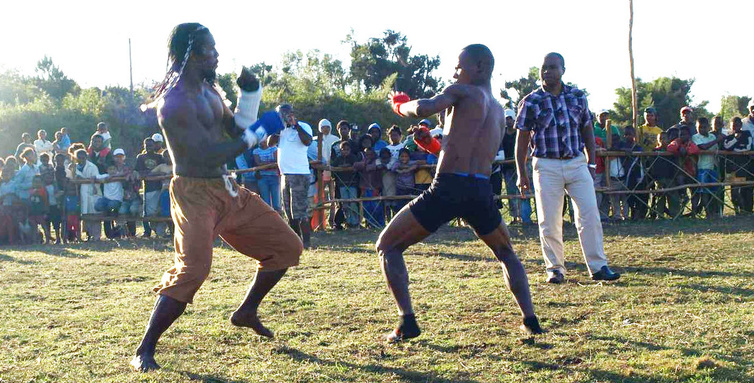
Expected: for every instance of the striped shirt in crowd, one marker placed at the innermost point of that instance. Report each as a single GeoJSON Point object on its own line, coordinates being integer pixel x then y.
{"type": "Point", "coordinates": [556, 121]}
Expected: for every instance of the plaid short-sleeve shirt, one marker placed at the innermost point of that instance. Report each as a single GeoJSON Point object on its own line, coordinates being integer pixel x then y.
{"type": "Point", "coordinates": [556, 121]}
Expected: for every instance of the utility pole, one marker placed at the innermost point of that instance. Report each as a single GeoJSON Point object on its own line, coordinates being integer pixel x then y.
{"type": "Point", "coordinates": [634, 101]}
{"type": "Point", "coordinates": [130, 67]}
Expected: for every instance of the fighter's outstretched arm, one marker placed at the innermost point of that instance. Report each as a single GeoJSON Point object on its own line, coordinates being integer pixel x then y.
{"type": "Point", "coordinates": [426, 107]}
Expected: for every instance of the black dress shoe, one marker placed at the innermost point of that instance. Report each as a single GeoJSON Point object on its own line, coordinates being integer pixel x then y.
{"type": "Point", "coordinates": [605, 274]}
{"type": "Point", "coordinates": [556, 277]}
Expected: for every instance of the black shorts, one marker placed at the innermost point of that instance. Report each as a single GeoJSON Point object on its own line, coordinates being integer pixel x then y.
{"type": "Point", "coordinates": [457, 196]}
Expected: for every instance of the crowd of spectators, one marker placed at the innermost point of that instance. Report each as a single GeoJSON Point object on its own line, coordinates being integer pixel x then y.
{"type": "Point", "coordinates": [684, 164]}
{"type": "Point", "coordinates": [37, 197]}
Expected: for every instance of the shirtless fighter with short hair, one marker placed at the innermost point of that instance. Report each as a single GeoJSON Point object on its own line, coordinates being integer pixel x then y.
{"type": "Point", "coordinates": [205, 201]}
{"type": "Point", "coordinates": [461, 188]}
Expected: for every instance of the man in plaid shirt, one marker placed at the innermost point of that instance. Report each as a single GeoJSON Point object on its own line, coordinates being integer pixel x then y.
{"type": "Point", "coordinates": [556, 121]}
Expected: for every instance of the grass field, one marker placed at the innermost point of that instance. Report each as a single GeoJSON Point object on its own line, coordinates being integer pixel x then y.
{"type": "Point", "coordinates": [683, 312]}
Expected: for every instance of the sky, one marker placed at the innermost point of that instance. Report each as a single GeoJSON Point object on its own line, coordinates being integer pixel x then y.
{"type": "Point", "coordinates": [703, 40]}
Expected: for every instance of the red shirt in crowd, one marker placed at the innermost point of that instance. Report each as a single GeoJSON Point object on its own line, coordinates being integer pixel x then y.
{"type": "Point", "coordinates": [689, 165]}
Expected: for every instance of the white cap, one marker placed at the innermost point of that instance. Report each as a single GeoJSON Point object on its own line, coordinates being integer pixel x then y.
{"type": "Point", "coordinates": [751, 103]}
{"type": "Point", "coordinates": [324, 122]}
{"type": "Point", "coordinates": [119, 151]}
{"type": "Point", "coordinates": [157, 137]}
{"type": "Point", "coordinates": [510, 113]}
{"type": "Point", "coordinates": [435, 132]}
{"type": "Point", "coordinates": [603, 111]}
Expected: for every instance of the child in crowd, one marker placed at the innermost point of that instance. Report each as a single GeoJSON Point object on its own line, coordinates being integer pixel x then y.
{"type": "Point", "coordinates": [603, 203]}
{"type": "Point", "coordinates": [370, 183]}
{"type": "Point", "coordinates": [268, 180]}
{"type": "Point", "coordinates": [60, 174]}
{"type": "Point", "coordinates": [684, 150]}
{"type": "Point", "coordinates": [38, 209]}
{"type": "Point", "coordinates": [662, 171]}
{"type": "Point", "coordinates": [72, 209]}
{"type": "Point", "coordinates": [365, 142]}
{"type": "Point", "coordinates": [110, 202]}
{"type": "Point", "coordinates": [637, 203]}
{"type": "Point", "coordinates": [706, 170]}
{"type": "Point", "coordinates": [395, 145]}
{"type": "Point", "coordinates": [7, 186]}
{"type": "Point", "coordinates": [346, 182]}
{"type": "Point", "coordinates": [740, 167]}
{"type": "Point", "coordinates": [384, 164]}
{"type": "Point", "coordinates": [44, 165]}
{"type": "Point", "coordinates": [618, 180]}
{"type": "Point", "coordinates": [112, 197]}
{"type": "Point", "coordinates": [166, 168]}
{"type": "Point", "coordinates": [8, 222]}
{"type": "Point", "coordinates": [54, 195]}
{"type": "Point", "coordinates": [404, 175]}
{"type": "Point", "coordinates": [89, 193]}
{"type": "Point", "coordinates": [422, 176]}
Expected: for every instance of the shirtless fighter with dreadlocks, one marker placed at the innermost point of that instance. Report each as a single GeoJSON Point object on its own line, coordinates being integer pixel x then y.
{"type": "Point", "coordinates": [205, 201]}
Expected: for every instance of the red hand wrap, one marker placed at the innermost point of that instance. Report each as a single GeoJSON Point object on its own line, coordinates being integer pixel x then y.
{"type": "Point", "coordinates": [397, 100]}
{"type": "Point", "coordinates": [428, 143]}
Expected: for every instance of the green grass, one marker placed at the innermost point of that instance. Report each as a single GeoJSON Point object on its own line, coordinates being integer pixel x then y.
{"type": "Point", "coordinates": [682, 312]}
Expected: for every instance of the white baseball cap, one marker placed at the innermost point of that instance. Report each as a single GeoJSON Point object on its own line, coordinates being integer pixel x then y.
{"type": "Point", "coordinates": [157, 137]}
{"type": "Point", "coordinates": [751, 103]}
{"type": "Point", "coordinates": [119, 151]}
{"type": "Point", "coordinates": [510, 113]}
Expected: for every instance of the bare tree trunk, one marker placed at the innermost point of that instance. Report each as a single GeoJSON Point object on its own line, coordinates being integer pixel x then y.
{"type": "Point", "coordinates": [634, 106]}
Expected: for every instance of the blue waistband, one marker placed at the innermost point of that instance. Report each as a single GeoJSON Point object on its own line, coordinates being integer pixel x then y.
{"type": "Point", "coordinates": [477, 175]}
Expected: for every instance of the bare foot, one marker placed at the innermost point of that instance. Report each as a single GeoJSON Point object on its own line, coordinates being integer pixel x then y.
{"type": "Point", "coordinates": [249, 319]}
{"type": "Point", "coordinates": [144, 363]}
{"type": "Point", "coordinates": [407, 329]}
{"type": "Point", "coordinates": [531, 326]}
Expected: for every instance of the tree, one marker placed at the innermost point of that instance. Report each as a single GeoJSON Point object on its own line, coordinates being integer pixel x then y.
{"type": "Point", "coordinates": [732, 106]}
{"type": "Point", "coordinates": [53, 81]}
{"type": "Point", "coordinates": [666, 94]}
{"type": "Point", "coordinates": [373, 61]}
{"type": "Point", "coordinates": [516, 90]}
{"type": "Point", "coordinates": [17, 89]}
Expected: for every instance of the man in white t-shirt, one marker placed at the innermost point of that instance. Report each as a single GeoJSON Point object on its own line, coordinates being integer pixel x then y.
{"type": "Point", "coordinates": [747, 123]}
{"type": "Point", "coordinates": [42, 144]}
{"type": "Point", "coordinates": [294, 167]}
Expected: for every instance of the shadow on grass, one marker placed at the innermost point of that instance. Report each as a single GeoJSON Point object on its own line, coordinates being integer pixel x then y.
{"type": "Point", "coordinates": [728, 290]}
{"type": "Point", "coordinates": [406, 375]}
{"type": "Point", "coordinates": [718, 372]}
{"type": "Point", "coordinates": [9, 258]}
{"type": "Point", "coordinates": [686, 273]}
{"type": "Point", "coordinates": [598, 375]}
{"type": "Point", "coordinates": [77, 250]}
{"type": "Point", "coordinates": [659, 228]}
{"type": "Point", "coordinates": [210, 378]}
{"type": "Point", "coordinates": [468, 258]}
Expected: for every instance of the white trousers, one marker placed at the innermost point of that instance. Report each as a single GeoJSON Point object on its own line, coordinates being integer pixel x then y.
{"type": "Point", "coordinates": [552, 178]}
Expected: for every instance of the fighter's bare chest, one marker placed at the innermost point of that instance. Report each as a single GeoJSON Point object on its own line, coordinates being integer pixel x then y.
{"type": "Point", "coordinates": [209, 110]}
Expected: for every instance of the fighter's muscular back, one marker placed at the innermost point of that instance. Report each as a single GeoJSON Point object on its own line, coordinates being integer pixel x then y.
{"type": "Point", "coordinates": [474, 128]}
{"type": "Point", "coordinates": [194, 120]}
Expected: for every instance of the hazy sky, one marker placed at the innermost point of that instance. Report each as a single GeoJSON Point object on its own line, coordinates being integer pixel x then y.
{"type": "Point", "coordinates": [705, 40]}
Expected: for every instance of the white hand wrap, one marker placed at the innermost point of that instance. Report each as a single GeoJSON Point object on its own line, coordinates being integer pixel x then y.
{"type": "Point", "coordinates": [254, 137]}
{"type": "Point", "coordinates": [247, 107]}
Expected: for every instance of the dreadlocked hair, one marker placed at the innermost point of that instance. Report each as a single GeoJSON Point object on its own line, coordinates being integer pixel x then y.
{"type": "Point", "coordinates": [180, 46]}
